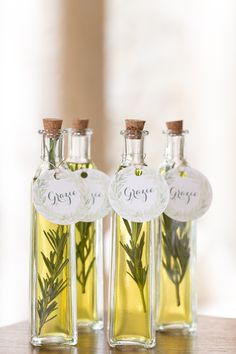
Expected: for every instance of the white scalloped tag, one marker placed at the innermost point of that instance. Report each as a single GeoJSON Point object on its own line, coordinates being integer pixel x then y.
{"type": "Point", "coordinates": [190, 193]}
{"type": "Point", "coordinates": [96, 183]}
{"type": "Point", "coordinates": [138, 193]}
{"type": "Point", "coordinates": [59, 196]}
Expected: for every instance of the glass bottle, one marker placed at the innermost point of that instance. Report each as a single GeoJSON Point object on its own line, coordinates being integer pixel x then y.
{"type": "Point", "coordinates": [88, 237]}
{"type": "Point", "coordinates": [130, 308]}
{"type": "Point", "coordinates": [53, 293]}
{"type": "Point", "coordinates": [176, 245]}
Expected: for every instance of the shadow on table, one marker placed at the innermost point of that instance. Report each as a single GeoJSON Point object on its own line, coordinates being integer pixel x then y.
{"type": "Point", "coordinates": [176, 344]}
{"type": "Point", "coordinates": [55, 350]}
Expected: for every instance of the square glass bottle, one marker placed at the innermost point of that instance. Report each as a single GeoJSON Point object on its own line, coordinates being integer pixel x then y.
{"type": "Point", "coordinates": [131, 312]}
{"type": "Point", "coordinates": [176, 299]}
{"type": "Point", "coordinates": [88, 237]}
{"type": "Point", "coordinates": [53, 293]}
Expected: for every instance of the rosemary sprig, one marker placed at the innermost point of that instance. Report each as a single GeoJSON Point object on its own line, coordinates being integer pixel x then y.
{"type": "Point", "coordinates": [135, 251]}
{"type": "Point", "coordinates": [83, 250]}
{"type": "Point", "coordinates": [176, 250]}
{"type": "Point", "coordinates": [53, 284]}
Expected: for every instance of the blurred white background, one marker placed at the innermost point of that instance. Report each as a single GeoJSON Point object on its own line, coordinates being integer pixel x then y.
{"type": "Point", "coordinates": [109, 60]}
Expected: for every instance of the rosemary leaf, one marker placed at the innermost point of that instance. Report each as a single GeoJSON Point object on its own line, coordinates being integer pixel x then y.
{"type": "Point", "coordinates": [127, 226]}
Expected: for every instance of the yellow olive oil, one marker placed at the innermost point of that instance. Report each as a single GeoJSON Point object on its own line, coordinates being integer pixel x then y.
{"type": "Point", "coordinates": [86, 272]}
{"type": "Point", "coordinates": [169, 310]}
{"type": "Point", "coordinates": [131, 301]}
{"type": "Point", "coordinates": [175, 287]}
{"type": "Point", "coordinates": [51, 248]}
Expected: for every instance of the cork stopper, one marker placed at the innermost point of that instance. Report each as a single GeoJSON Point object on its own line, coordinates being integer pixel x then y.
{"type": "Point", "coordinates": [175, 127]}
{"type": "Point", "coordinates": [80, 124]}
{"type": "Point", "coordinates": [52, 126]}
{"type": "Point", "coordinates": [134, 128]}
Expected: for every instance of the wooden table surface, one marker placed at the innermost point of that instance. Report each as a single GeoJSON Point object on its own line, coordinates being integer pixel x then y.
{"type": "Point", "coordinates": [214, 335]}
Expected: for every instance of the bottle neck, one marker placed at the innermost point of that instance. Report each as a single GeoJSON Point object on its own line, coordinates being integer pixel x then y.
{"type": "Point", "coordinates": [52, 150]}
{"type": "Point", "coordinates": [175, 148]}
{"type": "Point", "coordinates": [134, 152]}
{"type": "Point", "coordinates": [79, 148]}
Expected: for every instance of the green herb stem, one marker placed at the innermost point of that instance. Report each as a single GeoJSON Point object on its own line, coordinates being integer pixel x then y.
{"type": "Point", "coordinates": [177, 294]}
{"type": "Point", "coordinates": [143, 299]}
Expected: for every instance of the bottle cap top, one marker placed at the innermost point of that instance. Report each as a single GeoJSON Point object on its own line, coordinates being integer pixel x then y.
{"type": "Point", "coordinates": [134, 128]}
{"type": "Point", "coordinates": [80, 124]}
{"type": "Point", "coordinates": [134, 124]}
{"type": "Point", "coordinates": [175, 127]}
{"type": "Point", "coordinates": [52, 125]}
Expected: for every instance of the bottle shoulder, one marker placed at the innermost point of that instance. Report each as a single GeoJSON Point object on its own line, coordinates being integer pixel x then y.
{"type": "Point", "coordinates": [128, 164]}
{"type": "Point", "coordinates": [74, 166]}
{"type": "Point", "coordinates": [167, 165]}
{"type": "Point", "coordinates": [45, 166]}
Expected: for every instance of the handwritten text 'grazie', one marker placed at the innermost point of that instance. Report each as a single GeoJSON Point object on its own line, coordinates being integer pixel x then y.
{"type": "Point", "coordinates": [141, 194]}
{"type": "Point", "coordinates": [181, 195]}
{"type": "Point", "coordinates": [56, 198]}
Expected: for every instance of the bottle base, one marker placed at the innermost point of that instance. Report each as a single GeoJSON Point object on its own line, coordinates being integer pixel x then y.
{"type": "Point", "coordinates": [84, 326]}
{"type": "Point", "coordinates": [131, 344]}
{"type": "Point", "coordinates": [53, 340]}
{"type": "Point", "coordinates": [177, 328]}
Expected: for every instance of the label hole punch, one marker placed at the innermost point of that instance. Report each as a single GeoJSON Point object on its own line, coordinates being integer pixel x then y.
{"type": "Point", "coordinates": [138, 172]}
{"type": "Point", "coordinates": [84, 174]}
{"type": "Point", "coordinates": [183, 174]}
{"type": "Point", "coordinates": [57, 174]}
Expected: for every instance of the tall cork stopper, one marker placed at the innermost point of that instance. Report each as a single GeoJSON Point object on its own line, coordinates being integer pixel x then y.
{"type": "Point", "coordinates": [80, 124]}
{"type": "Point", "coordinates": [134, 128]}
{"type": "Point", "coordinates": [52, 126]}
{"type": "Point", "coordinates": [175, 127]}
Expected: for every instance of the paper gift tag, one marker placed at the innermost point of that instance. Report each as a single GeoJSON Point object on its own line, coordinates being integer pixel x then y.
{"type": "Point", "coordinates": [190, 194]}
{"type": "Point", "coordinates": [97, 203]}
{"type": "Point", "coordinates": [138, 194]}
{"type": "Point", "coordinates": [59, 196]}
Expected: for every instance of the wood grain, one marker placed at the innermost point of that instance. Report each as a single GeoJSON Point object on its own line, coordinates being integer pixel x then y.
{"type": "Point", "coordinates": [214, 335]}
